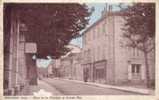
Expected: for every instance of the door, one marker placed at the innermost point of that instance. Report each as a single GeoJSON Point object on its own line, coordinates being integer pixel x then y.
{"type": "Point", "coordinates": [136, 71]}
{"type": "Point", "coordinates": [100, 71]}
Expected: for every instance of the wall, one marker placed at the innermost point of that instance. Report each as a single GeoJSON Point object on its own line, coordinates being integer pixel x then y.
{"type": "Point", "coordinates": [110, 46]}
{"type": "Point", "coordinates": [124, 56]}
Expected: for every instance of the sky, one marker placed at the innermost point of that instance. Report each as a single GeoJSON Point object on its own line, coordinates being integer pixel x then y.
{"type": "Point", "coordinates": [93, 18]}
{"type": "Point", "coordinates": [96, 15]}
{"type": "Point", "coordinates": [99, 7]}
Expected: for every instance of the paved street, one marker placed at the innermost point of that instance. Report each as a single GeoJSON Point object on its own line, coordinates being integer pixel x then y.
{"type": "Point", "coordinates": [42, 88]}
{"type": "Point", "coordinates": [67, 87]}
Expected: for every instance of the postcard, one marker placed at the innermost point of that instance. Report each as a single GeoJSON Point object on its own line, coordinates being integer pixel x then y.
{"type": "Point", "coordinates": [79, 50]}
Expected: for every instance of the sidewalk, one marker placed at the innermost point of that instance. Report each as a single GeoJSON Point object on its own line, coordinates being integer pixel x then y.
{"type": "Point", "coordinates": [123, 88]}
{"type": "Point", "coordinates": [42, 89]}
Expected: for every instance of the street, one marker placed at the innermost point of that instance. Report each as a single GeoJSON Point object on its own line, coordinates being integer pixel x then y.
{"type": "Point", "coordinates": [67, 87]}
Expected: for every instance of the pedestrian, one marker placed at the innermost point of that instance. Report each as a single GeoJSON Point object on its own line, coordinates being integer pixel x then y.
{"type": "Point", "coordinates": [86, 75]}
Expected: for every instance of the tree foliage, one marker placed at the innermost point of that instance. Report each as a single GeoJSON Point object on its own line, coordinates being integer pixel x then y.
{"type": "Point", "coordinates": [140, 25]}
{"type": "Point", "coordinates": [52, 26]}
{"type": "Point", "coordinates": [140, 30]}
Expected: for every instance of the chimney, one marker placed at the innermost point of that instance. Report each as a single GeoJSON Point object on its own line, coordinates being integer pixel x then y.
{"type": "Point", "coordinates": [111, 7]}
{"type": "Point", "coordinates": [104, 12]}
{"type": "Point", "coordinates": [110, 10]}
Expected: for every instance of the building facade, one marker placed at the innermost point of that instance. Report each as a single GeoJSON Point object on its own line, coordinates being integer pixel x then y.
{"type": "Point", "coordinates": [50, 69]}
{"type": "Point", "coordinates": [42, 72]}
{"type": "Point", "coordinates": [69, 65]}
{"type": "Point", "coordinates": [77, 69]}
{"type": "Point", "coordinates": [105, 58]}
{"type": "Point", "coordinates": [18, 65]}
{"type": "Point", "coordinates": [15, 74]}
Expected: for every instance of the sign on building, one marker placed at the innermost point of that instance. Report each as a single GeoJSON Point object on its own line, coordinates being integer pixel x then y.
{"type": "Point", "coordinates": [30, 48]}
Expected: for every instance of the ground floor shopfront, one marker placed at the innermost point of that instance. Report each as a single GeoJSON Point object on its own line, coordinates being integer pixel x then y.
{"type": "Point", "coordinates": [101, 72]}
{"type": "Point", "coordinates": [95, 72]}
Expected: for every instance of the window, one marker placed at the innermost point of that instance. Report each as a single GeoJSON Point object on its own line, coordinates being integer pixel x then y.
{"type": "Point", "coordinates": [84, 39]}
{"type": "Point", "coordinates": [95, 57]}
{"type": "Point", "coordinates": [93, 33]}
{"type": "Point", "coordinates": [133, 51]}
{"type": "Point", "coordinates": [93, 54]}
{"type": "Point", "coordinates": [102, 52]}
{"type": "Point", "coordinates": [137, 52]}
{"type": "Point", "coordinates": [104, 28]}
{"type": "Point", "coordinates": [135, 68]}
{"type": "Point", "coordinates": [88, 36]}
{"type": "Point", "coordinates": [98, 32]}
{"type": "Point", "coordinates": [99, 53]}
{"type": "Point", "coordinates": [22, 37]}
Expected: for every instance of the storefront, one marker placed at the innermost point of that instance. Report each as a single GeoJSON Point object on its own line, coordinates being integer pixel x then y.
{"type": "Point", "coordinates": [100, 71]}
{"type": "Point", "coordinates": [87, 72]}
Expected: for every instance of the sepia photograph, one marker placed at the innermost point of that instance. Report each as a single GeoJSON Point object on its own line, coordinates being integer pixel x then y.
{"type": "Point", "coordinates": [79, 49]}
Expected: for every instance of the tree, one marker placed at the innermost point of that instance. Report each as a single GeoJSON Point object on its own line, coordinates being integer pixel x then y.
{"type": "Point", "coordinates": [139, 30]}
{"type": "Point", "coordinates": [52, 26]}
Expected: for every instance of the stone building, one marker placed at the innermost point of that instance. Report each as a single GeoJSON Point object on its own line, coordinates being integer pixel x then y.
{"type": "Point", "coordinates": [53, 68]}
{"type": "Point", "coordinates": [14, 76]}
{"type": "Point", "coordinates": [18, 63]}
{"type": "Point", "coordinates": [69, 65]}
{"type": "Point", "coordinates": [42, 72]}
{"type": "Point", "coordinates": [77, 69]}
{"type": "Point", "coordinates": [50, 69]}
{"type": "Point", "coordinates": [104, 57]}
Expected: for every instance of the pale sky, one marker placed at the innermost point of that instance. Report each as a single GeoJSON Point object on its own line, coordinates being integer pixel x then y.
{"type": "Point", "coordinates": [93, 18]}
{"type": "Point", "coordinates": [99, 7]}
{"type": "Point", "coordinates": [96, 15]}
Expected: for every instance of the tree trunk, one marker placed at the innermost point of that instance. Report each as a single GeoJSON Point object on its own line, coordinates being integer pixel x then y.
{"type": "Point", "coordinates": [147, 70]}
{"type": "Point", "coordinates": [31, 70]}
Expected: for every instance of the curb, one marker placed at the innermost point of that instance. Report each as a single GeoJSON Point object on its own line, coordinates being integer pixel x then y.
{"type": "Point", "coordinates": [57, 91]}
{"type": "Point", "coordinates": [129, 89]}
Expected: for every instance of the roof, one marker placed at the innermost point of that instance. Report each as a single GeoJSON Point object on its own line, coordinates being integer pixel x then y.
{"type": "Point", "coordinates": [74, 49]}
{"type": "Point", "coordinates": [115, 13]}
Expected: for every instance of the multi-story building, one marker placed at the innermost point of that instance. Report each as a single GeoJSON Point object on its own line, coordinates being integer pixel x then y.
{"type": "Point", "coordinates": [105, 60]}
{"type": "Point", "coordinates": [77, 69]}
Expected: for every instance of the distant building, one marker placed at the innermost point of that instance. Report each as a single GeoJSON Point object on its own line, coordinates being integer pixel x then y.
{"type": "Point", "coordinates": [77, 70]}
{"type": "Point", "coordinates": [69, 65]}
{"type": "Point", "coordinates": [104, 58]}
{"type": "Point", "coordinates": [42, 72]}
{"type": "Point", "coordinates": [49, 68]}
